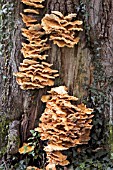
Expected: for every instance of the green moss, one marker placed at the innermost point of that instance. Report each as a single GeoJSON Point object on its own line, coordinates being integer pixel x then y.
{"type": "Point", "coordinates": [4, 123]}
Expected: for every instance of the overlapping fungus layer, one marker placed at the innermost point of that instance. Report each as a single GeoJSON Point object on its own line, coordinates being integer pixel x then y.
{"type": "Point", "coordinates": [57, 158]}
{"type": "Point", "coordinates": [32, 8]}
{"type": "Point", "coordinates": [37, 45]}
{"type": "Point", "coordinates": [63, 30]}
{"type": "Point", "coordinates": [34, 4]}
{"type": "Point", "coordinates": [35, 75]}
{"type": "Point", "coordinates": [63, 124]}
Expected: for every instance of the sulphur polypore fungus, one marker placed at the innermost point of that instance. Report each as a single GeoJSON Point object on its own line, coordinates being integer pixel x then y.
{"type": "Point", "coordinates": [33, 11]}
{"type": "Point", "coordinates": [28, 20]}
{"type": "Point", "coordinates": [37, 46]}
{"type": "Point", "coordinates": [57, 158]}
{"type": "Point", "coordinates": [35, 75]}
{"type": "Point", "coordinates": [51, 166]}
{"type": "Point", "coordinates": [63, 124]}
{"type": "Point", "coordinates": [26, 148]}
{"type": "Point", "coordinates": [34, 6]}
{"type": "Point", "coordinates": [63, 30]}
{"type": "Point", "coordinates": [32, 168]}
{"type": "Point", "coordinates": [33, 3]}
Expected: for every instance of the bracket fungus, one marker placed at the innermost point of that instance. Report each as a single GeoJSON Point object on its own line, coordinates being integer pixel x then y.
{"type": "Point", "coordinates": [51, 166]}
{"type": "Point", "coordinates": [32, 168]}
{"type": "Point", "coordinates": [33, 8]}
{"type": "Point", "coordinates": [28, 20]}
{"type": "Point", "coordinates": [57, 158]}
{"type": "Point", "coordinates": [35, 75]}
{"type": "Point", "coordinates": [26, 148]}
{"type": "Point", "coordinates": [34, 3]}
{"type": "Point", "coordinates": [63, 30]}
{"type": "Point", "coordinates": [63, 124]}
{"type": "Point", "coordinates": [37, 46]}
{"type": "Point", "coordinates": [33, 11]}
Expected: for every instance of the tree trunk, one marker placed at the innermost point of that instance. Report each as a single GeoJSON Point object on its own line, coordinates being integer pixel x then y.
{"type": "Point", "coordinates": [87, 65]}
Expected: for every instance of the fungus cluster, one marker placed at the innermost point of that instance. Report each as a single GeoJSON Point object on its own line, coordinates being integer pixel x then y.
{"type": "Point", "coordinates": [36, 4]}
{"type": "Point", "coordinates": [63, 30]}
{"type": "Point", "coordinates": [32, 168]}
{"type": "Point", "coordinates": [29, 20]}
{"type": "Point", "coordinates": [37, 45]}
{"type": "Point", "coordinates": [63, 124]}
{"type": "Point", "coordinates": [57, 158]}
{"type": "Point", "coordinates": [35, 75]}
{"type": "Point", "coordinates": [26, 148]}
{"type": "Point", "coordinates": [33, 7]}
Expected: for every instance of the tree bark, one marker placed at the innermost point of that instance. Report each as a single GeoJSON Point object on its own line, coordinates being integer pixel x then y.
{"type": "Point", "coordinates": [77, 66]}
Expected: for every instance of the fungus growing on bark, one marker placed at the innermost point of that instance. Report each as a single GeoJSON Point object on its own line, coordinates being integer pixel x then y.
{"type": "Point", "coordinates": [28, 20]}
{"type": "Point", "coordinates": [26, 148]}
{"type": "Point", "coordinates": [63, 124]}
{"type": "Point", "coordinates": [57, 158]}
{"type": "Point", "coordinates": [37, 46]}
{"type": "Point", "coordinates": [34, 50]}
{"type": "Point", "coordinates": [35, 75]}
{"type": "Point", "coordinates": [34, 6]}
{"type": "Point", "coordinates": [51, 166]}
{"type": "Point", "coordinates": [34, 3]}
{"type": "Point", "coordinates": [33, 35]}
{"type": "Point", "coordinates": [31, 11]}
{"type": "Point", "coordinates": [32, 168]}
{"type": "Point", "coordinates": [63, 30]}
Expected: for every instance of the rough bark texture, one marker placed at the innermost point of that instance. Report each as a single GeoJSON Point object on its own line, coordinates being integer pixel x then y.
{"type": "Point", "coordinates": [75, 65]}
